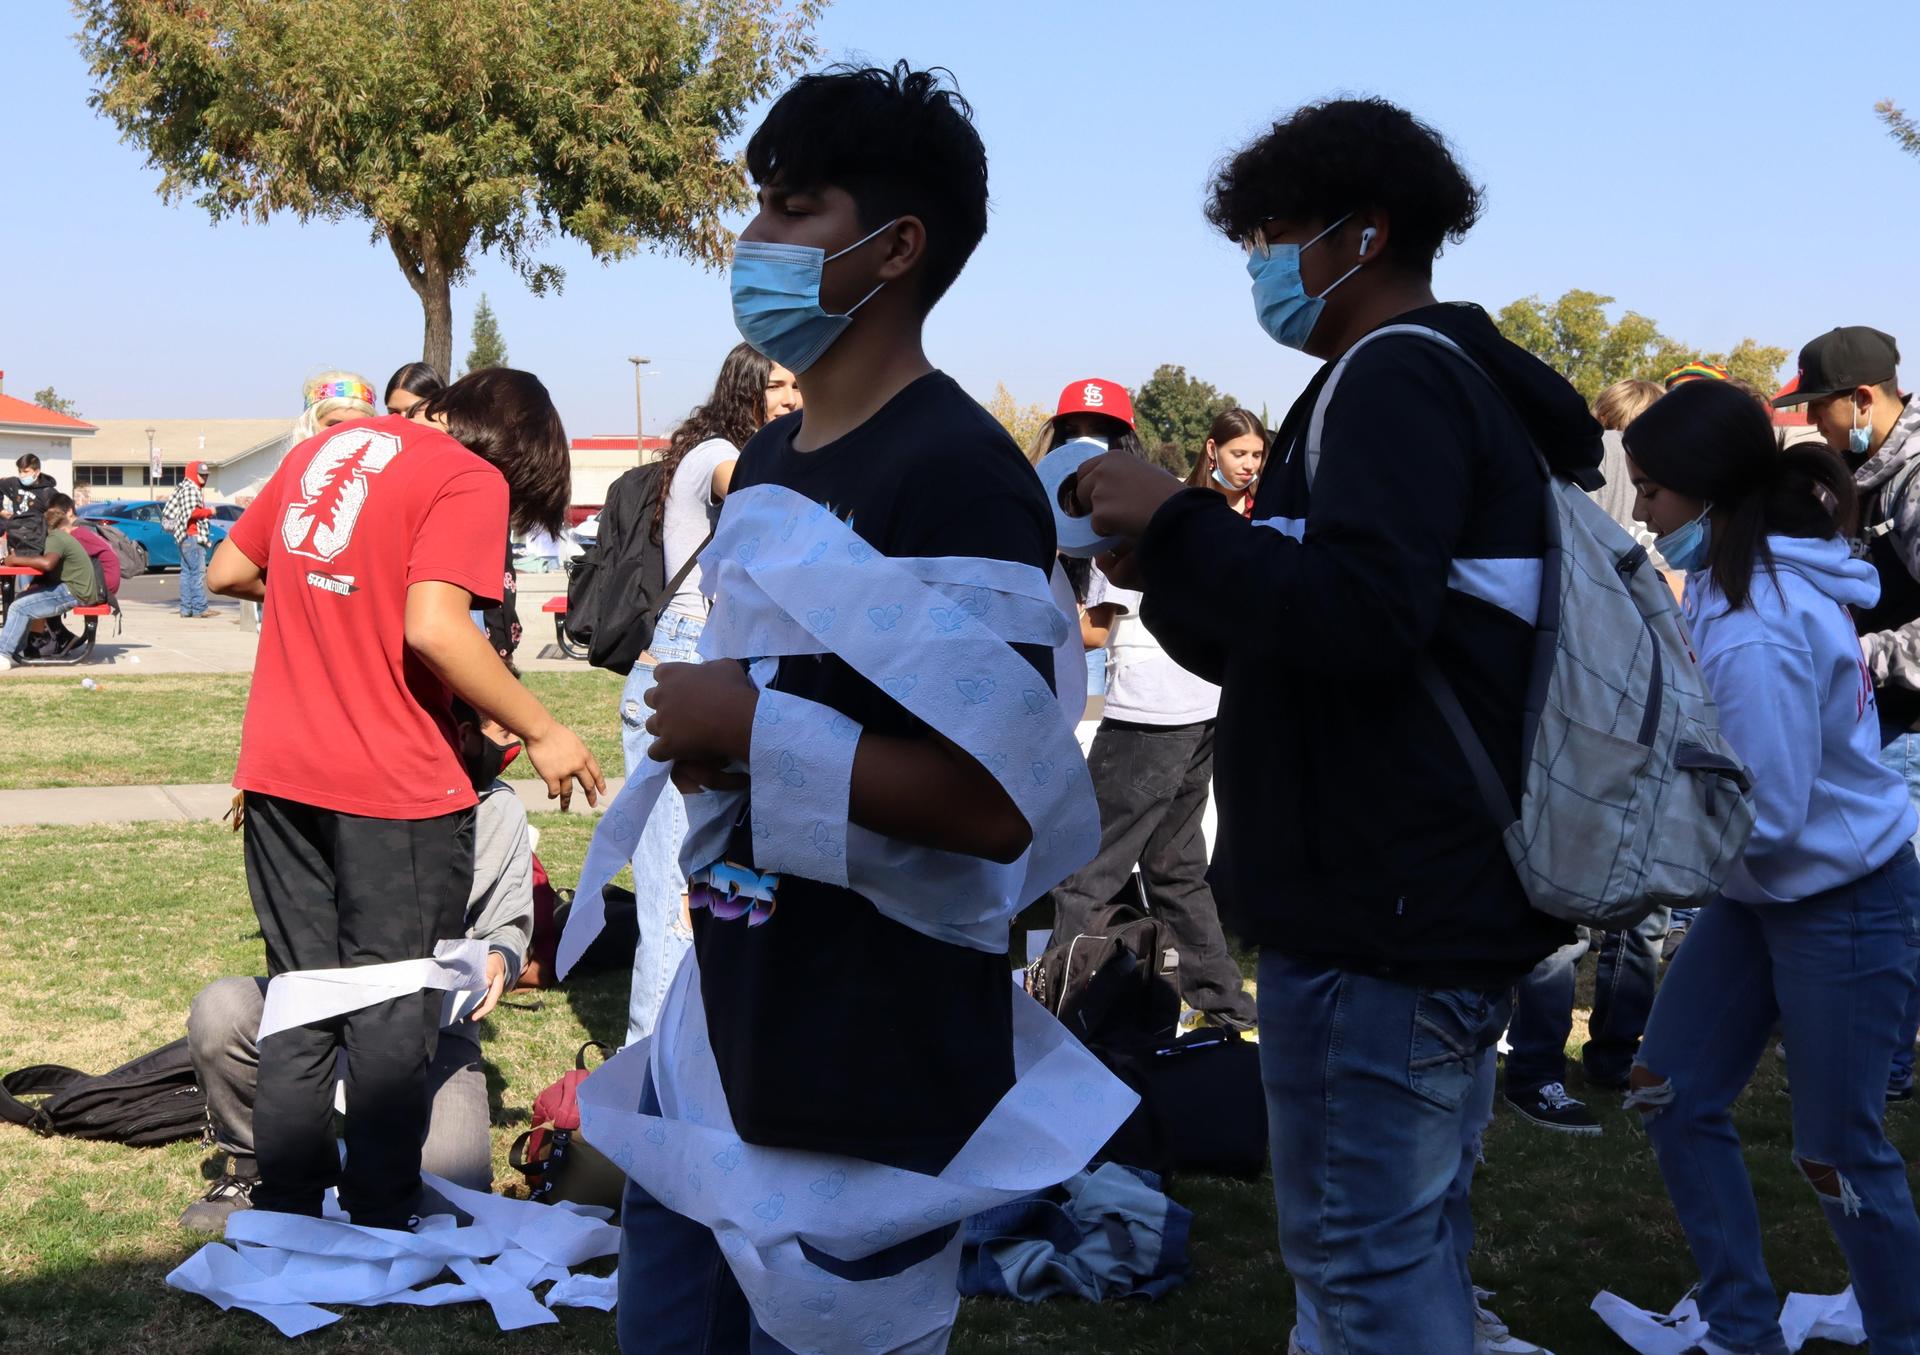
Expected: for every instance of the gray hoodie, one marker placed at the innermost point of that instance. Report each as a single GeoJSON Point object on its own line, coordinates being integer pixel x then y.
{"type": "Point", "coordinates": [1889, 487]}
{"type": "Point", "coordinates": [500, 906]}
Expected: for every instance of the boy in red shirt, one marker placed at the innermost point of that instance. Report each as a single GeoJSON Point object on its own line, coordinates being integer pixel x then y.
{"type": "Point", "coordinates": [371, 544]}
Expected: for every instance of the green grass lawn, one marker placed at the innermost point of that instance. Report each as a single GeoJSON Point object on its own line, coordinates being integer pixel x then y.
{"type": "Point", "coordinates": [113, 929]}
{"type": "Point", "coordinates": [185, 730]}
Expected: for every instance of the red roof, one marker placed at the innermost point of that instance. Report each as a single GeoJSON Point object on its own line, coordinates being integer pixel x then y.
{"type": "Point", "coordinates": [616, 442]}
{"type": "Point", "coordinates": [14, 411]}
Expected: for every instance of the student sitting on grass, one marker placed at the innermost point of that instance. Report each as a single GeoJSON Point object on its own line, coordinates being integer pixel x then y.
{"type": "Point", "coordinates": [68, 580]}
{"type": "Point", "coordinates": [226, 1013]}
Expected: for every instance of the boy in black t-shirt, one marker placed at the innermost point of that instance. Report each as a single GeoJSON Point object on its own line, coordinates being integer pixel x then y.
{"type": "Point", "coordinates": [834, 1027]}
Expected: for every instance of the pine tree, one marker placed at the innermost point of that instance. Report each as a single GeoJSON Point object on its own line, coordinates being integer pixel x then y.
{"type": "Point", "coordinates": [489, 349]}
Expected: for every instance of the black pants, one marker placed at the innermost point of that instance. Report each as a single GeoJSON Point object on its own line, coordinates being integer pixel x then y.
{"type": "Point", "coordinates": [335, 890]}
{"type": "Point", "coordinates": [1151, 782]}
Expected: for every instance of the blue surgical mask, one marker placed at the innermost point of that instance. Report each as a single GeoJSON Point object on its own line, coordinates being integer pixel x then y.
{"type": "Point", "coordinates": [1280, 299]}
{"type": "Point", "coordinates": [776, 300]}
{"type": "Point", "coordinates": [1860, 436]}
{"type": "Point", "coordinates": [1685, 548]}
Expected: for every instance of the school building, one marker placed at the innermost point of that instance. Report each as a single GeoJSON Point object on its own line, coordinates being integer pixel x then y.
{"type": "Point", "coordinates": [26, 427]}
{"type": "Point", "coordinates": [145, 458]}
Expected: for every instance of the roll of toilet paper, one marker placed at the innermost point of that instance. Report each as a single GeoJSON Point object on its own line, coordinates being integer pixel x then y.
{"type": "Point", "coordinates": [1076, 535]}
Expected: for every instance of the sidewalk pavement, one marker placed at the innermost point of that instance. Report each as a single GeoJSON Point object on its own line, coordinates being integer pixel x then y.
{"type": "Point", "coordinates": [186, 804]}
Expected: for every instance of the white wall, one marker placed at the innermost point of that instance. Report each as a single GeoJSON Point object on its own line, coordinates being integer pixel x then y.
{"type": "Point", "coordinates": [56, 456]}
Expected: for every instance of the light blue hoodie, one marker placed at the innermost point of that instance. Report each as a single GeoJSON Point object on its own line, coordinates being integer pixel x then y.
{"type": "Point", "coordinates": [1796, 704]}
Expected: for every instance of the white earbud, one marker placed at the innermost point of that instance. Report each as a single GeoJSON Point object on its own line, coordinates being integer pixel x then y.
{"type": "Point", "coordinates": [1366, 241]}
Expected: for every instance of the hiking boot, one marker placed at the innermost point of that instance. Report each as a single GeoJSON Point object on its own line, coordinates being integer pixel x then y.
{"type": "Point", "coordinates": [1551, 1108]}
{"type": "Point", "coordinates": [210, 1212]}
{"type": "Point", "coordinates": [1492, 1337]}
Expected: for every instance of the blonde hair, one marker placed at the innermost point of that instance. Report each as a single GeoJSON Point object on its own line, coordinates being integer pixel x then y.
{"type": "Point", "coordinates": [317, 408]}
{"type": "Point", "coordinates": [1624, 401]}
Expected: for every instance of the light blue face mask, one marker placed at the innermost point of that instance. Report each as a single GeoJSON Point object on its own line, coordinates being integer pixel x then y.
{"type": "Point", "coordinates": [1280, 299]}
{"type": "Point", "coordinates": [1685, 548]}
{"type": "Point", "coordinates": [776, 300]}
{"type": "Point", "coordinates": [1861, 437]}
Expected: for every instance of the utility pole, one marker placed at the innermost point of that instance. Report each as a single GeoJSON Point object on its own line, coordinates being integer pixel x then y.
{"type": "Point", "coordinates": [639, 423]}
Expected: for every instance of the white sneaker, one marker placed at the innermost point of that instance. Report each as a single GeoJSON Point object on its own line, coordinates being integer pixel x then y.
{"type": "Point", "coordinates": [5, 663]}
{"type": "Point", "coordinates": [1491, 1336]}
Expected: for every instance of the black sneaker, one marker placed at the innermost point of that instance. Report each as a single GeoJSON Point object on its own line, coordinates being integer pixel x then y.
{"type": "Point", "coordinates": [209, 1213]}
{"type": "Point", "coordinates": [1551, 1108]}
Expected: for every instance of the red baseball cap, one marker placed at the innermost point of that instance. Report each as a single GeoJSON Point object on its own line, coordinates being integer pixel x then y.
{"type": "Point", "coordinates": [1095, 396]}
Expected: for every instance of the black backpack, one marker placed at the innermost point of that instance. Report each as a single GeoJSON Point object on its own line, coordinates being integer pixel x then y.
{"type": "Point", "coordinates": [618, 587]}
{"type": "Point", "coordinates": [149, 1100]}
{"type": "Point", "coordinates": [1116, 983]}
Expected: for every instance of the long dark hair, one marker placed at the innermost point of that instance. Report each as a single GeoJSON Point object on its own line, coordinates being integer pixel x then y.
{"type": "Point", "coordinates": [1710, 441]}
{"type": "Point", "coordinates": [416, 378]}
{"type": "Point", "coordinates": [1228, 424]}
{"type": "Point", "coordinates": [734, 412]}
{"type": "Point", "coordinates": [506, 418]}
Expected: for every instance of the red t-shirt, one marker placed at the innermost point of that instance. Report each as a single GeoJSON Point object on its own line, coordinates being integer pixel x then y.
{"type": "Point", "coordinates": [342, 714]}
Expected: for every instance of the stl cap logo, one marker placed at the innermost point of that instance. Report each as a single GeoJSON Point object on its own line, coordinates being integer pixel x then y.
{"type": "Point", "coordinates": [335, 487]}
{"type": "Point", "coordinates": [1093, 395]}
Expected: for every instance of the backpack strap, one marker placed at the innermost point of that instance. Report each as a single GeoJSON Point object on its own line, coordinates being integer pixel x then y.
{"type": "Point", "coordinates": [43, 1080]}
{"type": "Point", "coordinates": [1486, 778]}
{"type": "Point", "coordinates": [680, 576]}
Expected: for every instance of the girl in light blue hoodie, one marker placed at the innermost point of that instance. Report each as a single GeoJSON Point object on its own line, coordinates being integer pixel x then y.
{"type": "Point", "coordinates": [1818, 926]}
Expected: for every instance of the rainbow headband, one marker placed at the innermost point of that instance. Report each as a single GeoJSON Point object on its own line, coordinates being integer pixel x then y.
{"type": "Point", "coordinates": [351, 388]}
{"type": "Point", "coordinates": [1695, 371]}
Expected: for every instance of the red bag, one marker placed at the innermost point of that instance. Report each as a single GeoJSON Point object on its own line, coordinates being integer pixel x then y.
{"type": "Point", "coordinates": [538, 970]}
{"type": "Point", "coordinates": [558, 1163]}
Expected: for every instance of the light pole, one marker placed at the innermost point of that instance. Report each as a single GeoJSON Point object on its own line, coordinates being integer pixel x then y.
{"type": "Point", "coordinates": [639, 423]}
{"type": "Point", "coordinates": [153, 467]}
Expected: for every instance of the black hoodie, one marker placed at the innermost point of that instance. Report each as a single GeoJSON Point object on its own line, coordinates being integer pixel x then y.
{"type": "Point", "coordinates": [1350, 830]}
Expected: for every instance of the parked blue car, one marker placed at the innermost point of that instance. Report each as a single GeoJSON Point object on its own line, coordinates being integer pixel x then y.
{"type": "Point", "coordinates": [140, 520]}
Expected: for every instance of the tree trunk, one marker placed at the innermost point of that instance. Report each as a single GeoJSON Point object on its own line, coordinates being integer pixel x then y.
{"type": "Point", "coordinates": [428, 275]}
{"type": "Point", "coordinates": [436, 299]}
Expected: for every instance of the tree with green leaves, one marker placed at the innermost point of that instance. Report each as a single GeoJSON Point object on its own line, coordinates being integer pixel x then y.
{"type": "Point", "coordinates": [454, 128]}
{"type": "Point", "coordinates": [1575, 336]}
{"type": "Point", "coordinates": [49, 398]}
{"type": "Point", "coordinates": [489, 349]}
{"type": "Point", "coordinates": [1175, 411]}
{"type": "Point", "coordinates": [1899, 126]}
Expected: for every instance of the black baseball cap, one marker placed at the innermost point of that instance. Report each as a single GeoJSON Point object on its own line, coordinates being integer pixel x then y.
{"type": "Point", "coordinates": [1842, 359]}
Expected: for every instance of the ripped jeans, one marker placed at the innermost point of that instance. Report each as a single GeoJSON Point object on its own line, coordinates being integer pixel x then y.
{"type": "Point", "coordinates": [659, 889]}
{"type": "Point", "coordinates": [1376, 1098]}
{"type": "Point", "coordinates": [1836, 970]}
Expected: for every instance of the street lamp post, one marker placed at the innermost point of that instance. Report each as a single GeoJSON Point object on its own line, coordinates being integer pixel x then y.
{"type": "Point", "coordinates": [153, 468]}
{"type": "Point", "coordinates": [639, 423]}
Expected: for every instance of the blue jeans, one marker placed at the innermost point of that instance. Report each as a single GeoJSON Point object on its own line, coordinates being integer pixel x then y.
{"type": "Point", "coordinates": [1376, 1100]}
{"type": "Point", "coordinates": [34, 605]}
{"type": "Point", "coordinates": [1902, 754]}
{"type": "Point", "coordinates": [658, 886]}
{"type": "Point", "coordinates": [677, 1293]}
{"type": "Point", "coordinates": [1835, 970]}
{"type": "Point", "coordinates": [193, 577]}
{"type": "Point", "coordinates": [1622, 997]}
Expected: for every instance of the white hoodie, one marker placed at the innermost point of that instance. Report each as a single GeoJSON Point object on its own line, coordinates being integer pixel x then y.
{"type": "Point", "coordinates": [1796, 704]}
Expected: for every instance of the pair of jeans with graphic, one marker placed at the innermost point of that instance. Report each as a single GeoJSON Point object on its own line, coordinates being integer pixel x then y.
{"type": "Point", "coordinates": [1377, 1095]}
{"type": "Point", "coordinates": [1622, 997]}
{"type": "Point", "coordinates": [659, 888]}
{"type": "Point", "coordinates": [1835, 971]}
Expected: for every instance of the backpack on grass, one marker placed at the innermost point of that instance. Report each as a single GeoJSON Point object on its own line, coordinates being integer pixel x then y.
{"type": "Point", "coordinates": [1631, 799]}
{"type": "Point", "coordinates": [618, 587]}
{"type": "Point", "coordinates": [557, 1162]}
{"type": "Point", "coordinates": [149, 1100]}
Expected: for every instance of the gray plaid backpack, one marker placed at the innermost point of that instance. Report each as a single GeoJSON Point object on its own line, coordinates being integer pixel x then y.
{"type": "Point", "coordinates": [1631, 798]}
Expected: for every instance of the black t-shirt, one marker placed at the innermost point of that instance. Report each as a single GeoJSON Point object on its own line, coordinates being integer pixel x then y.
{"type": "Point", "coordinates": [836, 1028]}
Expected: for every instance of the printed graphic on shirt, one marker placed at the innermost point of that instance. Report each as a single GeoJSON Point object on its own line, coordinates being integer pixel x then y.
{"type": "Point", "coordinates": [342, 584]}
{"type": "Point", "coordinates": [335, 486]}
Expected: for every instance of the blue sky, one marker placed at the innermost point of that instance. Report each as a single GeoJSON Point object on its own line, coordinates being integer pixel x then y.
{"type": "Point", "coordinates": [1719, 170]}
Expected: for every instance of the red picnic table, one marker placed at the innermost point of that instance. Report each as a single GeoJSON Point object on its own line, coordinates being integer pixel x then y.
{"type": "Point", "coordinates": [8, 573]}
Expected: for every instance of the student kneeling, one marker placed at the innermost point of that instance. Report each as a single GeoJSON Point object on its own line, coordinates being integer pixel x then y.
{"type": "Point", "coordinates": [226, 1013]}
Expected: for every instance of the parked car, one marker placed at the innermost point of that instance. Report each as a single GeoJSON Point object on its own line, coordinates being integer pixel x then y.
{"type": "Point", "coordinates": [140, 519]}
